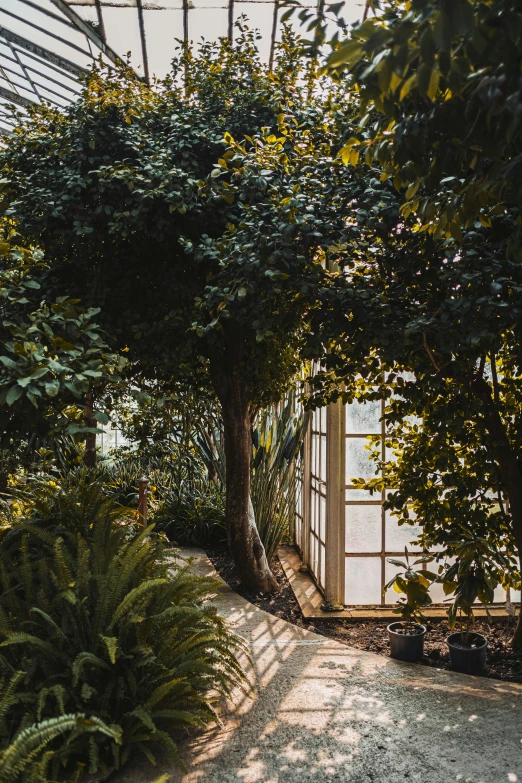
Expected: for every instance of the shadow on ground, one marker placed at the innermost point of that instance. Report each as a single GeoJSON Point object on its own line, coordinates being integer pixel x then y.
{"type": "Point", "coordinates": [326, 712]}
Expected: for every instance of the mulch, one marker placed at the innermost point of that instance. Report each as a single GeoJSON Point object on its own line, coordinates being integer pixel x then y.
{"type": "Point", "coordinates": [503, 662]}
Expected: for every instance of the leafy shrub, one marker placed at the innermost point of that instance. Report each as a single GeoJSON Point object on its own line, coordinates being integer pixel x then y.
{"type": "Point", "coordinates": [105, 625]}
{"type": "Point", "coordinates": [194, 516]}
{"type": "Point", "coordinates": [184, 504]}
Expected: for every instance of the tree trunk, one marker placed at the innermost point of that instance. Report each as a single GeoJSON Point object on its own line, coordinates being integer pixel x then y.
{"type": "Point", "coordinates": [89, 456]}
{"type": "Point", "coordinates": [507, 459]}
{"type": "Point", "coordinates": [243, 538]}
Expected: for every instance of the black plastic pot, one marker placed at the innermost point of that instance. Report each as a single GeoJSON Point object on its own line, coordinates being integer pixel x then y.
{"type": "Point", "coordinates": [466, 658]}
{"type": "Point", "coordinates": [406, 647]}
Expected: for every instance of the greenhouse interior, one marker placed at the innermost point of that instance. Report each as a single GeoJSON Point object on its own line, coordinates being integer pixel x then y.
{"type": "Point", "coordinates": [260, 391]}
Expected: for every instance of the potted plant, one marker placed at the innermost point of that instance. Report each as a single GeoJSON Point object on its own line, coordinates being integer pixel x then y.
{"type": "Point", "coordinates": [407, 635]}
{"type": "Point", "coordinates": [468, 580]}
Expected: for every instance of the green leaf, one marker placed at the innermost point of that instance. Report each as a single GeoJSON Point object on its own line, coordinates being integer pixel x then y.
{"type": "Point", "coordinates": [14, 394]}
{"type": "Point", "coordinates": [52, 388]}
{"type": "Point", "coordinates": [407, 86]}
{"type": "Point", "coordinates": [345, 54]}
{"type": "Point", "coordinates": [7, 362]}
{"type": "Point", "coordinates": [397, 563]}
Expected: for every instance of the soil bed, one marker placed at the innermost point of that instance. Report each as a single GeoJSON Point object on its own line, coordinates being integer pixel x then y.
{"type": "Point", "coordinates": [371, 635]}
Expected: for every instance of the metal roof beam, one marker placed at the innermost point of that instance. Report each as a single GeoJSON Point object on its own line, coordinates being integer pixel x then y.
{"type": "Point", "coordinates": [141, 23]}
{"type": "Point", "coordinates": [46, 76]}
{"type": "Point", "coordinates": [273, 36]}
{"type": "Point", "coordinates": [47, 32]}
{"type": "Point", "coordinates": [45, 54]}
{"type": "Point", "coordinates": [87, 30]}
{"type": "Point", "coordinates": [230, 20]}
{"type": "Point", "coordinates": [48, 13]}
{"type": "Point", "coordinates": [13, 97]}
{"type": "Point", "coordinates": [101, 25]}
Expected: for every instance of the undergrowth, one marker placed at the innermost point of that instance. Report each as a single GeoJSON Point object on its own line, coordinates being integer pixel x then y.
{"type": "Point", "coordinates": [108, 645]}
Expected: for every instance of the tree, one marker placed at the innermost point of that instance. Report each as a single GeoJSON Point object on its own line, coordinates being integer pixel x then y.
{"type": "Point", "coordinates": [53, 354]}
{"type": "Point", "coordinates": [440, 81]}
{"type": "Point", "coordinates": [421, 325]}
{"type": "Point", "coordinates": [432, 276]}
{"type": "Point", "coordinates": [197, 217]}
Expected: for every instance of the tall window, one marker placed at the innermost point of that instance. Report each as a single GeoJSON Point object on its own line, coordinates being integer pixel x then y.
{"type": "Point", "coordinates": [318, 496]}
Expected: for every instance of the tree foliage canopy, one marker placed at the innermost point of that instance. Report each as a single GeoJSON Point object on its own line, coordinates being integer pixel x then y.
{"type": "Point", "coordinates": [431, 309]}
{"type": "Point", "coordinates": [440, 89]}
{"type": "Point", "coordinates": [53, 351]}
{"type": "Point", "coordinates": [191, 213]}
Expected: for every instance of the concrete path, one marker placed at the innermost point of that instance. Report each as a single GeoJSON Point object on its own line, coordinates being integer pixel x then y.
{"type": "Point", "coordinates": [326, 712]}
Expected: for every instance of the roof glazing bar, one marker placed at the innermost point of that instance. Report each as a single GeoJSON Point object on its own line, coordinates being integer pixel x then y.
{"type": "Point", "coordinates": [25, 71]}
{"type": "Point", "coordinates": [13, 97]}
{"type": "Point", "coordinates": [141, 23]}
{"type": "Point", "coordinates": [87, 30]}
{"type": "Point", "coordinates": [46, 76]}
{"type": "Point", "coordinates": [45, 54]}
{"type": "Point", "coordinates": [54, 81]}
{"type": "Point", "coordinates": [46, 11]}
{"type": "Point", "coordinates": [23, 86]}
{"type": "Point", "coordinates": [47, 32]}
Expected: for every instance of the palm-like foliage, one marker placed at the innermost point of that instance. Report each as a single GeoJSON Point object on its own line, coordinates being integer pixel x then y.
{"type": "Point", "coordinates": [105, 624]}
{"type": "Point", "coordinates": [276, 442]}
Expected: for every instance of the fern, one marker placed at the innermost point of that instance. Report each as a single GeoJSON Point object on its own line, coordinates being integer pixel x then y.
{"type": "Point", "coordinates": [104, 625]}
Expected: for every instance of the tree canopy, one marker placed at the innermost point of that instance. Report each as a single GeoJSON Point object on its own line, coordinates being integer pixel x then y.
{"type": "Point", "coordinates": [439, 86]}
{"type": "Point", "coordinates": [197, 216]}
{"type": "Point", "coordinates": [430, 315]}
{"type": "Point", "coordinates": [53, 353]}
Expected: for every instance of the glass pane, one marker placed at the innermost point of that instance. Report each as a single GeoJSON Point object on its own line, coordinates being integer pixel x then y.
{"type": "Point", "coordinates": [162, 28]}
{"type": "Point", "coordinates": [313, 554]}
{"type": "Point", "coordinates": [322, 519]}
{"type": "Point", "coordinates": [323, 420]}
{"type": "Point", "coordinates": [397, 537]}
{"type": "Point", "coordinates": [362, 581]}
{"type": "Point", "coordinates": [363, 418]}
{"type": "Point", "coordinates": [322, 474]}
{"type": "Point", "coordinates": [358, 462]}
{"type": "Point", "coordinates": [499, 596]}
{"type": "Point", "coordinates": [123, 33]}
{"type": "Point", "coordinates": [362, 494]}
{"type": "Point", "coordinates": [363, 528]}
{"type": "Point", "coordinates": [259, 16]}
{"type": "Point", "coordinates": [323, 563]}
{"type": "Point", "coordinates": [313, 512]}
{"type": "Point", "coordinates": [207, 23]}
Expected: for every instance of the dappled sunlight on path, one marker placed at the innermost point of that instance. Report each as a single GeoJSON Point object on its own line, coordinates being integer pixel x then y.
{"type": "Point", "coordinates": [325, 712]}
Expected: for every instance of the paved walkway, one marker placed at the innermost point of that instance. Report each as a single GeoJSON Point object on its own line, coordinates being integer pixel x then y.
{"type": "Point", "coordinates": [327, 712]}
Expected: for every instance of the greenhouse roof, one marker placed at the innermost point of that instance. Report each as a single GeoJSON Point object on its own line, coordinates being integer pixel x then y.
{"type": "Point", "coordinates": [46, 45]}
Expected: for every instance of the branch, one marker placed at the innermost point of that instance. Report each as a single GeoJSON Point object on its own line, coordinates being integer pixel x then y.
{"type": "Point", "coordinates": [428, 351]}
{"type": "Point", "coordinates": [496, 393]}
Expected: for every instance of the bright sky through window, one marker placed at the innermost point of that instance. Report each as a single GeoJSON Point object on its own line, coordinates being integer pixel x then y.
{"type": "Point", "coordinates": [46, 44]}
